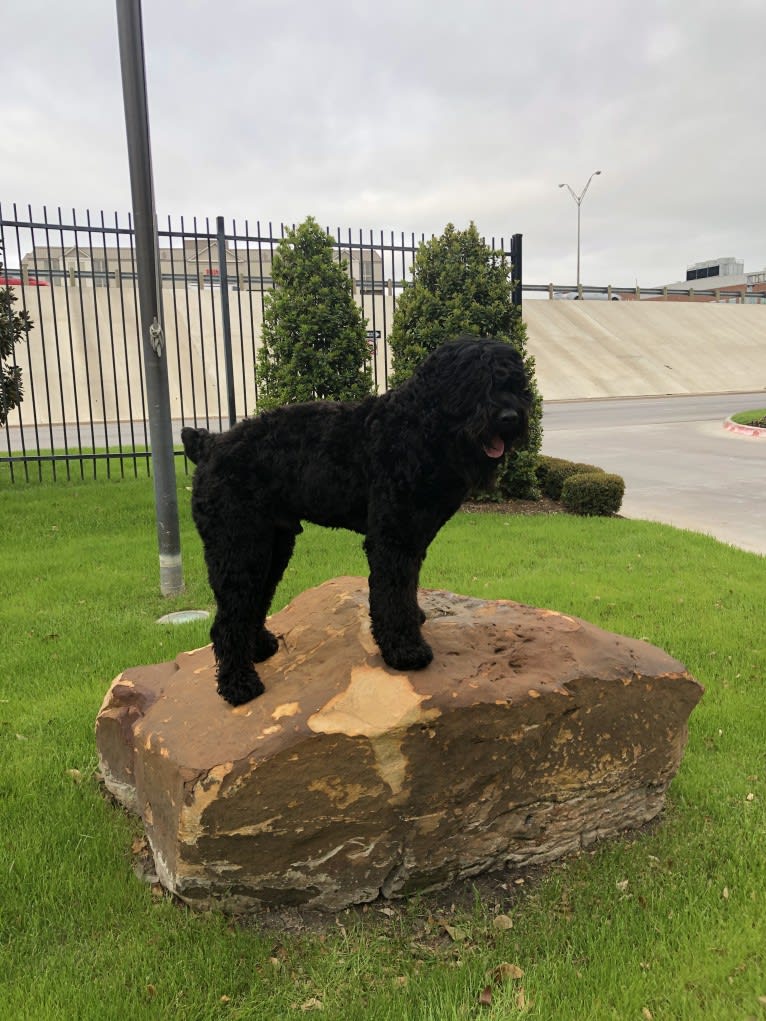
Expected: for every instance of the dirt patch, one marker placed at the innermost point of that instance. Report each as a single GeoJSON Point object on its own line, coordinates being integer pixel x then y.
{"type": "Point", "coordinates": [542, 506]}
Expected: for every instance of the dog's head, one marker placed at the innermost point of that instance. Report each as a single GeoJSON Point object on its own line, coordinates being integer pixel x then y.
{"type": "Point", "coordinates": [484, 399]}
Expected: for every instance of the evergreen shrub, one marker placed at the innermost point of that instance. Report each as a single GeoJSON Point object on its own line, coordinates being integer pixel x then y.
{"type": "Point", "coordinates": [14, 327]}
{"type": "Point", "coordinates": [593, 493]}
{"type": "Point", "coordinates": [461, 285]}
{"type": "Point", "coordinates": [558, 470]}
{"type": "Point", "coordinates": [314, 334]}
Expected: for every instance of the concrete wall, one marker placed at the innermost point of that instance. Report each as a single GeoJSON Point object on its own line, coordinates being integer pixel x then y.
{"type": "Point", "coordinates": [83, 357]}
{"type": "Point", "coordinates": [618, 349]}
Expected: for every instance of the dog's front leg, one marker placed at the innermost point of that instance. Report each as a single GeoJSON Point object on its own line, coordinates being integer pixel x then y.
{"type": "Point", "coordinates": [394, 611]}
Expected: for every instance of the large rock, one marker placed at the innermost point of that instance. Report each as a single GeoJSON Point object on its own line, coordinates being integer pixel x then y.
{"type": "Point", "coordinates": [531, 735]}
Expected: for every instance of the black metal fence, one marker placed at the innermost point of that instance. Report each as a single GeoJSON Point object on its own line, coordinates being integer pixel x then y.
{"type": "Point", "coordinates": [84, 405]}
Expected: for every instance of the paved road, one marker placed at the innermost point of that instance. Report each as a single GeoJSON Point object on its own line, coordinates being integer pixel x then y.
{"type": "Point", "coordinates": [680, 465]}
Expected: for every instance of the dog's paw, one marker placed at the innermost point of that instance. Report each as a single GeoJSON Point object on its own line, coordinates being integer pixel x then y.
{"type": "Point", "coordinates": [409, 657]}
{"type": "Point", "coordinates": [240, 686]}
{"type": "Point", "coordinates": [265, 645]}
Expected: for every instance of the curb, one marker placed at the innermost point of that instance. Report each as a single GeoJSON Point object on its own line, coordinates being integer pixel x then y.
{"type": "Point", "coordinates": [744, 430]}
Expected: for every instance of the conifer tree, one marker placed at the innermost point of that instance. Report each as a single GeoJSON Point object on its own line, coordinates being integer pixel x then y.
{"type": "Point", "coordinates": [314, 335]}
{"type": "Point", "coordinates": [460, 285]}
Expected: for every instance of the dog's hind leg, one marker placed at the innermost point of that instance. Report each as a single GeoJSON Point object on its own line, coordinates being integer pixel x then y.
{"type": "Point", "coordinates": [238, 574]}
{"type": "Point", "coordinates": [264, 643]}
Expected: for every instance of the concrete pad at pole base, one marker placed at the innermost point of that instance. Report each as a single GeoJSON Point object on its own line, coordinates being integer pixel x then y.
{"type": "Point", "coordinates": [183, 616]}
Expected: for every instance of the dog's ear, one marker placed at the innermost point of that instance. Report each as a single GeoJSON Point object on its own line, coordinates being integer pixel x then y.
{"type": "Point", "coordinates": [467, 376]}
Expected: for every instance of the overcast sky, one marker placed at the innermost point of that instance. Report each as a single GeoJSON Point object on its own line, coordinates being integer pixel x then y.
{"type": "Point", "coordinates": [409, 115]}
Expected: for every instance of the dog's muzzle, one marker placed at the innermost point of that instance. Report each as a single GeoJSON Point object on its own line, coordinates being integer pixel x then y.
{"type": "Point", "coordinates": [510, 426]}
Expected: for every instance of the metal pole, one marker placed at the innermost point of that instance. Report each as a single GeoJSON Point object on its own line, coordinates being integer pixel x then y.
{"type": "Point", "coordinates": [517, 269]}
{"type": "Point", "coordinates": [130, 31]}
{"type": "Point", "coordinates": [578, 201]}
{"type": "Point", "coordinates": [223, 278]}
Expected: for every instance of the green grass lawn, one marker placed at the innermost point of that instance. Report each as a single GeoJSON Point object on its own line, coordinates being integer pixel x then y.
{"type": "Point", "coordinates": [671, 925]}
{"type": "Point", "coordinates": [755, 417]}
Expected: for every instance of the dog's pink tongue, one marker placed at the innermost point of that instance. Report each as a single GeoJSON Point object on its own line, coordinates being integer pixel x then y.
{"type": "Point", "coordinates": [495, 447]}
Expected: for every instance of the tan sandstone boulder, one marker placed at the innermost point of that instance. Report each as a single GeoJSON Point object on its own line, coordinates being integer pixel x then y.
{"type": "Point", "coordinates": [531, 735]}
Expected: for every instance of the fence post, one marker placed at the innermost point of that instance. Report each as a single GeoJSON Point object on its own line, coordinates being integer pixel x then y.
{"type": "Point", "coordinates": [131, 41]}
{"type": "Point", "coordinates": [517, 268]}
{"type": "Point", "coordinates": [223, 277]}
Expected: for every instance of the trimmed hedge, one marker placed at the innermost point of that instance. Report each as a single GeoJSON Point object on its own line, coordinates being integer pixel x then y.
{"type": "Point", "coordinates": [552, 472]}
{"type": "Point", "coordinates": [594, 493]}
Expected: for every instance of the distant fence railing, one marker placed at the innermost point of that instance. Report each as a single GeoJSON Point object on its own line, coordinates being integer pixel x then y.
{"type": "Point", "coordinates": [742, 295]}
{"type": "Point", "coordinates": [84, 402]}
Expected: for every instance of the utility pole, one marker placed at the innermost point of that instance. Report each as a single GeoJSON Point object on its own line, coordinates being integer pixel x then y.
{"type": "Point", "coordinates": [131, 36]}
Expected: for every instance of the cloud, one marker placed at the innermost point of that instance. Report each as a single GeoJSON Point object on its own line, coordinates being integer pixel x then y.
{"type": "Point", "coordinates": [406, 116]}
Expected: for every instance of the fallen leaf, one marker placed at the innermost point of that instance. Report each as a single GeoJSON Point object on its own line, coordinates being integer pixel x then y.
{"type": "Point", "coordinates": [225, 999]}
{"type": "Point", "coordinates": [622, 885]}
{"type": "Point", "coordinates": [138, 846]}
{"type": "Point", "coordinates": [151, 989]}
{"type": "Point", "coordinates": [506, 972]}
{"type": "Point", "coordinates": [725, 893]}
{"type": "Point", "coordinates": [485, 996]}
{"type": "Point", "coordinates": [521, 999]}
{"type": "Point", "coordinates": [646, 1013]}
{"type": "Point", "coordinates": [762, 1000]}
{"type": "Point", "coordinates": [312, 1004]}
{"type": "Point", "coordinates": [75, 774]}
{"type": "Point", "coordinates": [456, 934]}
{"type": "Point", "coordinates": [502, 922]}
{"type": "Point", "coordinates": [20, 737]}
{"type": "Point", "coordinates": [750, 797]}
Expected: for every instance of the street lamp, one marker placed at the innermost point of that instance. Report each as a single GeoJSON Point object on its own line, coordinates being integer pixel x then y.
{"type": "Point", "coordinates": [578, 199]}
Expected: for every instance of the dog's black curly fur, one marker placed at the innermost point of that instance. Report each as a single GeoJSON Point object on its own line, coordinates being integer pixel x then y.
{"type": "Point", "coordinates": [393, 468]}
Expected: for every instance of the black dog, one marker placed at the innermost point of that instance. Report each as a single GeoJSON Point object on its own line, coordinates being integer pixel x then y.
{"type": "Point", "coordinates": [393, 468]}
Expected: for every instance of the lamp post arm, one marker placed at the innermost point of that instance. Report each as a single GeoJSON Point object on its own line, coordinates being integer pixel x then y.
{"type": "Point", "coordinates": [568, 188]}
{"type": "Point", "coordinates": [594, 174]}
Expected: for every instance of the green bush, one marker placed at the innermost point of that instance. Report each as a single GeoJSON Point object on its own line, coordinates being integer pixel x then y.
{"type": "Point", "coordinates": [543, 466]}
{"type": "Point", "coordinates": [14, 327]}
{"type": "Point", "coordinates": [461, 285]}
{"type": "Point", "coordinates": [557, 471]}
{"type": "Point", "coordinates": [314, 334]}
{"type": "Point", "coordinates": [594, 493]}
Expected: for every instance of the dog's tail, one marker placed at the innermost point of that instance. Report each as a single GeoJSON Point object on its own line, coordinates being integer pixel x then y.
{"type": "Point", "coordinates": [196, 443]}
